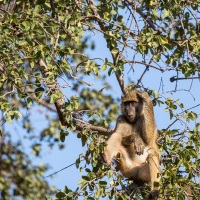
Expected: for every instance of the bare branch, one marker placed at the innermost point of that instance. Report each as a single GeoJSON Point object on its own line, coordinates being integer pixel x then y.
{"type": "Point", "coordinates": [139, 11]}
{"type": "Point", "coordinates": [147, 68]}
{"type": "Point", "coordinates": [172, 79]}
{"type": "Point", "coordinates": [146, 64]}
{"type": "Point", "coordinates": [122, 84]}
{"type": "Point", "coordinates": [8, 93]}
{"type": "Point", "coordinates": [166, 130]}
{"type": "Point", "coordinates": [61, 170]}
{"type": "Point", "coordinates": [190, 108]}
{"type": "Point", "coordinates": [79, 80]}
{"type": "Point", "coordinates": [57, 40]}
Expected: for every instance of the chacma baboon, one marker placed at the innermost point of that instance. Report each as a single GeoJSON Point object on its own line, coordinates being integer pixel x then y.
{"type": "Point", "coordinates": [133, 142]}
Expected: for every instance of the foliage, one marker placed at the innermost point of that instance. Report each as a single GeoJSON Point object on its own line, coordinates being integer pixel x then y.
{"type": "Point", "coordinates": [18, 172]}
{"type": "Point", "coordinates": [44, 61]}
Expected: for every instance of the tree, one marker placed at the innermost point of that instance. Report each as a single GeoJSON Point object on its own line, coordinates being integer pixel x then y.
{"type": "Point", "coordinates": [44, 60]}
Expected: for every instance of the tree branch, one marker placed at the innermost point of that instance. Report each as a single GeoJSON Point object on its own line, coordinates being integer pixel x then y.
{"type": "Point", "coordinates": [172, 79]}
{"type": "Point", "coordinates": [139, 11]}
{"type": "Point", "coordinates": [53, 8]}
{"type": "Point", "coordinates": [114, 56]}
{"type": "Point", "coordinates": [146, 64]}
{"type": "Point", "coordinates": [40, 101]}
{"type": "Point", "coordinates": [151, 24]}
{"type": "Point", "coordinates": [59, 104]}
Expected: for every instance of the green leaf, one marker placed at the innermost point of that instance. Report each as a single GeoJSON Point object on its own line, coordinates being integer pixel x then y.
{"type": "Point", "coordinates": [26, 76]}
{"type": "Point", "coordinates": [97, 194]}
{"type": "Point", "coordinates": [89, 198]}
{"type": "Point", "coordinates": [194, 6]}
{"type": "Point", "coordinates": [39, 92]}
{"type": "Point", "coordinates": [63, 134]}
{"type": "Point", "coordinates": [107, 16]}
{"type": "Point", "coordinates": [75, 105]}
{"type": "Point", "coordinates": [105, 123]}
{"type": "Point", "coordinates": [155, 13]}
{"type": "Point", "coordinates": [55, 97]}
{"type": "Point", "coordinates": [187, 15]}
{"type": "Point", "coordinates": [110, 71]}
{"type": "Point", "coordinates": [156, 95]}
{"type": "Point", "coordinates": [9, 120]}
{"type": "Point", "coordinates": [157, 57]}
{"type": "Point", "coordinates": [60, 195]}
{"type": "Point", "coordinates": [81, 182]}
{"type": "Point", "coordinates": [18, 114]}
{"type": "Point", "coordinates": [78, 162]}
{"type": "Point", "coordinates": [163, 40]}
{"type": "Point", "coordinates": [115, 51]}
{"type": "Point", "coordinates": [171, 114]}
{"type": "Point", "coordinates": [75, 98]}
{"type": "Point", "coordinates": [83, 140]}
{"type": "Point", "coordinates": [29, 101]}
{"type": "Point", "coordinates": [104, 67]}
{"type": "Point", "coordinates": [36, 149]}
{"type": "Point", "coordinates": [102, 183]}
{"type": "Point", "coordinates": [165, 13]}
{"type": "Point", "coordinates": [181, 105]}
{"type": "Point", "coordinates": [110, 173]}
{"type": "Point", "coordinates": [37, 8]}
{"type": "Point", "coordinates": [22, 43]}
{"type": "Point", "coordinates": [156, 184]}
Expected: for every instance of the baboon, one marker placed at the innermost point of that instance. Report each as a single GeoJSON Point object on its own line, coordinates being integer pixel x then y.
{"type": "Point", "coordinates": [133, 142]}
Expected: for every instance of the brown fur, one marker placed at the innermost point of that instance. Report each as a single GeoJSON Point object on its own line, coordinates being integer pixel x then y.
{"type": "Point", "coordinates": [133, 144]}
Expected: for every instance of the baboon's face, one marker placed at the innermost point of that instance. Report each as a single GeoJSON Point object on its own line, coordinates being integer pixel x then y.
{"type": "Point", "coordinates": [130, 110]}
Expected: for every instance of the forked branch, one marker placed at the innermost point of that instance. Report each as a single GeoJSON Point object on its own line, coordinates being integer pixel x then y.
{"type": "Point", "coordinates": [115, 56]}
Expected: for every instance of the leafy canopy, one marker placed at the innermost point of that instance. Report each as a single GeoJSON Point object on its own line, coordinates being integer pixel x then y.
{"type": "Point", "coordinates": [44, 60]}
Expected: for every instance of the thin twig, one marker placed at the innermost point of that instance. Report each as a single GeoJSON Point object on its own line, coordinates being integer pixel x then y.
{"type": "Point", "coordinates": [147, 68]}
{"type": "Point", "coordinates": [146, 64]}
{"type": "Point", "coordinates": [7, 93]}
{"type": "Point", "coordinates": [190, 108]}
{"type": "Point", "coordinates": [79, 80]}
{"type": "Point", "coordinates": [61, 169]}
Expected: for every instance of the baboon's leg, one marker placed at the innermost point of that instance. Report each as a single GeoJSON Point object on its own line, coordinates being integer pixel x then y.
{"type": "Point", "coordinates": [154, 163]}
{"type": "Point", "coordinates": [112, 148]}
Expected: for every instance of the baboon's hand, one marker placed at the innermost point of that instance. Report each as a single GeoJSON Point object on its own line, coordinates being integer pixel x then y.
{"type": "Point", "coordinates": [144, 96]}
{"type": "Point", "coordinates": [139, 145]}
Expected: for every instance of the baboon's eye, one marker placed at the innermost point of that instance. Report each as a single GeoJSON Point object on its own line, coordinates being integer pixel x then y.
{"type": "Point", "coordinates": [130, 103]}
{"type": "Point", "coordinates": [134, 103]}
